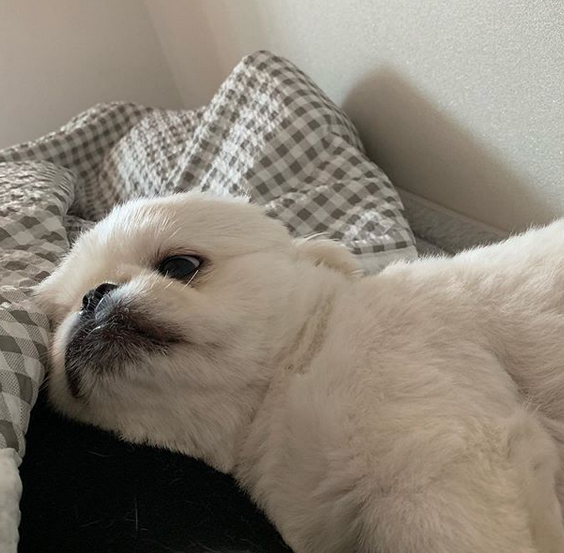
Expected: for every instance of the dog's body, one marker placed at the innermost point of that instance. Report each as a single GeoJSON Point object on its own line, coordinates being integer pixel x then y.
{"type": "Point", "coordinates": [417, 411]}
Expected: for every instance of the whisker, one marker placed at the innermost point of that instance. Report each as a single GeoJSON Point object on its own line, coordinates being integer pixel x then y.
{"type": "Point", "coordinates": [191, 278]}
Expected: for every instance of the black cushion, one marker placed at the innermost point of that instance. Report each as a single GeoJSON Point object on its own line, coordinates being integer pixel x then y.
{"type": "Point", "coordinates": [86, 491]}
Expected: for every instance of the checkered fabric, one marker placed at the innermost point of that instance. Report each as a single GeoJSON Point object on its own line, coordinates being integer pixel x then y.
{"type": "Point", "coordinates": [268, 133]}
{"type": "Point", "coordinates": [34, 196]}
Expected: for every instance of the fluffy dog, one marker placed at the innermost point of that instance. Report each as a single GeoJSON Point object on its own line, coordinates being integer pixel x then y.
{"type": "Point", "coordinates": [417, 411]}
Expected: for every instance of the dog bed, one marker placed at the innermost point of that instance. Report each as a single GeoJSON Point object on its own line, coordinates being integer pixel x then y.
{"type": "Point", "coordinates": [269, 133]}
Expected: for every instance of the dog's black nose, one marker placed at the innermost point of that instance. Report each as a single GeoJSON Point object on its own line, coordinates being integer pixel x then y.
{"type": "Point", "coordinates": [92, 298]}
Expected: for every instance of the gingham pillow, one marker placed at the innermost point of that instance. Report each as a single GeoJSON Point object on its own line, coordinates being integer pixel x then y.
{"type": "Point", "coordinates": [269, 132]}
{"type": "Point", "coordinates": [34, 196]}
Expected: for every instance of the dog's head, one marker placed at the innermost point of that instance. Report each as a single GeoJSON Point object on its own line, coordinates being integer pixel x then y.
{"type": "Point", "coordinates": [169, 314]}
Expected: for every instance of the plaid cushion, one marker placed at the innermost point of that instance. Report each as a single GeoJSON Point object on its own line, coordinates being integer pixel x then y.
{"type": "Point", "coordinates": [34, 196]}
{"type": "Point", "coordinates": [269, 132]}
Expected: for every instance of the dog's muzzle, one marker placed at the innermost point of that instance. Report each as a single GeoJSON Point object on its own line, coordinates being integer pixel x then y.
{"type": "Point", "coordinates": [109, 334]}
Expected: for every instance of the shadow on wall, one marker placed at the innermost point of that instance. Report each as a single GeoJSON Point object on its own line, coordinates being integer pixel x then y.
{"type": "Point", "coordinates": [427, 153]}
{"type": "Point", "coordinates": [202, 41]}
{"type": "Point", "coordinates": [237, 29]}
{"type": "Point", "coordinates": [185, 33]}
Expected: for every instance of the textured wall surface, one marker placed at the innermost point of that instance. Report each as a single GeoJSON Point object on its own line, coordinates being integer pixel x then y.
{"type": "Point", "coordinates": [460, 102]}
{"type": "Point", "coordinates": [62, 56]}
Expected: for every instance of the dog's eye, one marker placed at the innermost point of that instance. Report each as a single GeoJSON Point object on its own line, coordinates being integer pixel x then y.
{"type": "Point", "coordinates": [180, 267]}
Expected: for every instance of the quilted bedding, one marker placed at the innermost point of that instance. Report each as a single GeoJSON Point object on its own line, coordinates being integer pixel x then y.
{"type": "Point", "coordinates": [269, 133]}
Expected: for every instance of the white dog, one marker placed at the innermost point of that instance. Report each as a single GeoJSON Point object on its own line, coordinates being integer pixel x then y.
{"type": "Point", "coordinates": [417, 411]}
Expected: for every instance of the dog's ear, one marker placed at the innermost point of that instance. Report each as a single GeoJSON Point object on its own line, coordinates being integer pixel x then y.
{"type": "Point", "coordinates": [321, 251]}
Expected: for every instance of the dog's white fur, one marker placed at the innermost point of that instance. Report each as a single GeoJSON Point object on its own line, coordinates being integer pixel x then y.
{"type": "Point", "coordinates": [417, 411]}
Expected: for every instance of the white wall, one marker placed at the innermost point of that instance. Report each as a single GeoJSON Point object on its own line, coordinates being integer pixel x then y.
{"type": "Point", "coordinates": [462, 102]}
{"type": "Point", "coordinates": [58, 57]}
